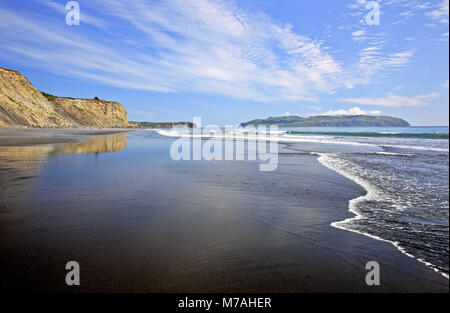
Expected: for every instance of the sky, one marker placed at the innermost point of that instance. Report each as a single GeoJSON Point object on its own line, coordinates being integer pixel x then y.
{"type": "Point", "coordinates": [233, 61]}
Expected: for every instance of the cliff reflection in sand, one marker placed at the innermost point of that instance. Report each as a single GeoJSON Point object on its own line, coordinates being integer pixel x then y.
{"type": "Point", "coordinates": [25, 158]}
{"type": "Point", "coordinates": [97, 145]}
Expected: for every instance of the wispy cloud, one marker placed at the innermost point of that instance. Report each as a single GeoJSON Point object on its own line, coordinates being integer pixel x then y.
{"type": "Point", "coordinates": [404, 16]}
{"type": "Point", "coordinates": [437, 10]}
{"type": "Point", "coordinates": [359, 35]}
{"type": "Point", "coordinates": [392, 100]}
{"type": "Point", "coordinates": [84, 17]}
{"type": "Point", "coordinates": [211, 47]}
{"type": "Point", "coordinates": [440, 12]}
{"type": "Point", "coordinates": [351, 111]}
{"type": "Point", "coordinates": [372, 61]}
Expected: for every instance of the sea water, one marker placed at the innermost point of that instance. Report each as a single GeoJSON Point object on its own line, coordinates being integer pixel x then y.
{"type": "Point", "coordinates": [405, 172]}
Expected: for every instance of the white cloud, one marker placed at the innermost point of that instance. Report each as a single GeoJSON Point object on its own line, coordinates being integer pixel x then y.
{"type": "Point", "coordinates": [359, 35]}
{"type": "Point", "coordinates": [201, 46]}
{"type": "Point", "coordinates": [440, 13]}
{"type": "Point", "coordinates": [404, 16]}
{"type": "Point", "coordinates": [84, 17]}
{"type": "Point", "coordinates": [372, 61]}
{"type": "Point", "coordinates": [357, 4]}
{"type": "Point", "coordinates": [395, 100]}
{"type": "Point", "coordinates": [407, 14]}
{"type": "Point", "coordinates": [437, 9]}
{"type": "Point", "coordinates": [351, 111]}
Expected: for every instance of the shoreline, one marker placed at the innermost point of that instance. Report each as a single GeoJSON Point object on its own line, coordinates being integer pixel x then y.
{"type": "Point", "coordinates": [322, 158]}
{"type": "Point", "coordinates": [185, 230]}
{"type": "Point", "coordinates": [55, 136]}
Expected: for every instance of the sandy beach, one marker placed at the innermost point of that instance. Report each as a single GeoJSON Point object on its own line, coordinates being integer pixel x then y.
{"type": "Point", "coordinates": [43, 136]}
{"type": "Point", "coordinates": [137, 221]}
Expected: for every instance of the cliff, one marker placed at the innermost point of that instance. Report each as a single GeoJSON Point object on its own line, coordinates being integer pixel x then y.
{"type": "Point", "coordinates": [331, 121]}
{"type": "Point", "coordinates": [21, 104]}
{"type": "Point", "coordinates": [91, 112]}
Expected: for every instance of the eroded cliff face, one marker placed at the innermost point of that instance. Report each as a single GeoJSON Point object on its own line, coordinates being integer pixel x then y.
{"type": "Point", "coordinates": [91, 112]}
{"type": "Point", "coordinates": [21, 104]}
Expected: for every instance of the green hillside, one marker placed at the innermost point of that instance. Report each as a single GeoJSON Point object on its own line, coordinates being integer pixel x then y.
{"type": "Point", "coordinates": [331, 121]}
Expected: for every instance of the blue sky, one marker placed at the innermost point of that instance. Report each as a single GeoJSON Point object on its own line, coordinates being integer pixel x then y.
{"type": "Point", "coordinates": [232, 61]}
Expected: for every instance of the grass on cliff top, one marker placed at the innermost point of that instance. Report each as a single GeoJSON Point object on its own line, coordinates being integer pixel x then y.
{"type": "Point", "coordinates": [9, 70]}
{"type": "Point", "coordinates": [48, 96]}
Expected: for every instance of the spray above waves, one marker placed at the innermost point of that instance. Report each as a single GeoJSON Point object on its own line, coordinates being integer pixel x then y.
{"type": "Point", "coordinates": [286, 136]}
{"type": "Point", "coordinates": [376, 134]}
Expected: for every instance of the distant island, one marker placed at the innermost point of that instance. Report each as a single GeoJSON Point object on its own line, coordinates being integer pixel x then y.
{"type": "Point", "coordinates": [331, 121]}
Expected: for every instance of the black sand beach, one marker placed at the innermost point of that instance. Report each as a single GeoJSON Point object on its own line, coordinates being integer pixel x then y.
{"type": "Point", "coordinates": [43, 136]}
{"type": "Point", "coordinates": [136, 221]}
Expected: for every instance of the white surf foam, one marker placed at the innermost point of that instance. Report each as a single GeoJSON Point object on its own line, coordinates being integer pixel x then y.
{"type": "Point", "coordinates": [328, 161]}
{"type": "Point", "coordinates": [372, 193]}
{"type": "Point", "coordinates": [282, 136]}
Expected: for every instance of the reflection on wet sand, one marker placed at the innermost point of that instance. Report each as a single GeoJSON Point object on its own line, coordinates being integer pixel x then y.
{"type": "Point", "coordinates": [103, 144]}
{"type": "Point", "coordinates": [20, 163]}
{"type": "Point", "coordinates": [25, 158]}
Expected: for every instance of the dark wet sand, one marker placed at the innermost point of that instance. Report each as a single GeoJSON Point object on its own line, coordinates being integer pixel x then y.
{"type": "Point", "coordinates": [42, 136]}
{"type": "Point", "coordinates": [137, 221]}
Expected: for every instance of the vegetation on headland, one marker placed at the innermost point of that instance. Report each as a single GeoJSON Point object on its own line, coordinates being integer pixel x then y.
{"type": "Point", "coordinates": [331, 121]}
{"type": "Point", "coordinates": [162, 125]}
{"type": "Point", "coordinates": [21, 104]}
{"type": "Point", "coordinates": [9, 70]}
{"type": "Point", "coordinates": [48, 96]}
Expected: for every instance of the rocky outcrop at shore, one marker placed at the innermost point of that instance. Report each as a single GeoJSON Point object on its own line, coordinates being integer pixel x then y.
{"type": "Point", "coordinates": [21, 104]}
{"type": "Point", "coordinates": [162, 125]}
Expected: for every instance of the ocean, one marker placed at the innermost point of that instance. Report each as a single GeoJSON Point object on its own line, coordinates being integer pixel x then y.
{"type": "Point", "coordinates": [405, 172]}
{"type": "Point", "coordinates": [137, 220]}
